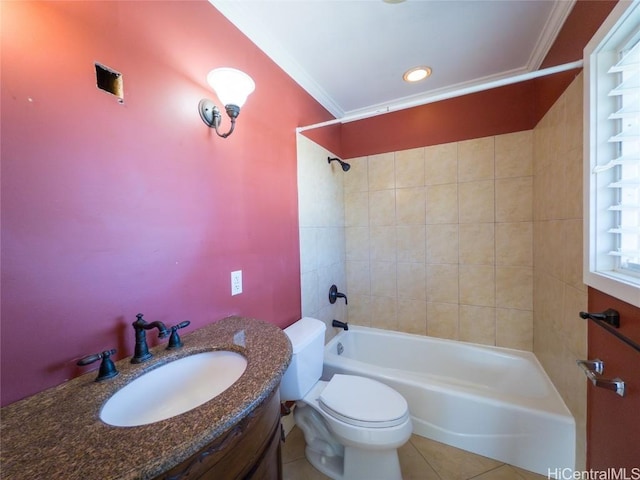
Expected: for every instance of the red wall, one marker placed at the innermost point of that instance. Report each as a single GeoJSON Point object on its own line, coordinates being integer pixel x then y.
{"type": "Point", "coordinates": [109, 210]}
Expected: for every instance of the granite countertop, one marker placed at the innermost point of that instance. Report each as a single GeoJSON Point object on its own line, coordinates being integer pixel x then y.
{"type": "Point", "coordinates": [57, 433]}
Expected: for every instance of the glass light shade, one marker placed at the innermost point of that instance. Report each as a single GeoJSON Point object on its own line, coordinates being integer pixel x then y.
{"type": "Point", "coordinates": [232, 86]}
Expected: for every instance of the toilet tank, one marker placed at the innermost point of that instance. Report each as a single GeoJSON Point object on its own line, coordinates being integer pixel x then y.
{"type": "Point", "coordinates": [304, 371]}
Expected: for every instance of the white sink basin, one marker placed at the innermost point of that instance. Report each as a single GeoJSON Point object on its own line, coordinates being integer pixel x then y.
{"type": "Point", "coordinates": [173, 388]}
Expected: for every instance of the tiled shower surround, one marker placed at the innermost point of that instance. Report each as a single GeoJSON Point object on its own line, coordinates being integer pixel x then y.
{"type": "Point", "coordinates": [439, 240]}
{"type": "Point", "coordinates": [559, 334]}
{"type": "Point", "coordinates": [478, 240]}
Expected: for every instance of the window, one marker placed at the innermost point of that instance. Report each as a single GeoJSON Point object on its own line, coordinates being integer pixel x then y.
{"type": "Point", "coordinates": [612, 155]}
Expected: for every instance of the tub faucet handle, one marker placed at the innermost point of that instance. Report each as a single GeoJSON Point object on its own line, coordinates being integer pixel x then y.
{"type": "Point", "coordinates": [335, 294]}
{"type": "Point", "coordinates": [107, 368]}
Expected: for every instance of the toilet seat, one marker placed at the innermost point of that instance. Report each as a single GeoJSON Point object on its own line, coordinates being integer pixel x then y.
{"type": "Point", "coordinates": [363, 402]}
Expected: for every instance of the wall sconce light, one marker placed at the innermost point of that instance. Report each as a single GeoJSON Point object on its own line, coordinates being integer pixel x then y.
{"type": "Point", "coordinates": [232, 87]}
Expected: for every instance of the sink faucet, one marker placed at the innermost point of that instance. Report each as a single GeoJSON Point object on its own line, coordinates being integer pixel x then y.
{"type": "Point", "coordinates": [142, 353]}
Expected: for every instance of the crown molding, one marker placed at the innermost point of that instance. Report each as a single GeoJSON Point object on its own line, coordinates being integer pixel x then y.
{"type": "Point", "coordinates": [246, 21]}
{"type": "Point", "coordinates": [555, 22]}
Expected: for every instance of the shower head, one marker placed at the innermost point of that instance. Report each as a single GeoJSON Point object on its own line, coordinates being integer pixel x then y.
{"type": "Point", "coordinates": [345, 166]}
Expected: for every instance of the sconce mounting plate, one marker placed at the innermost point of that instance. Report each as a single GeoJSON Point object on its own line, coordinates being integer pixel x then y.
{"type": "Point", "coordinates": [209, 113]}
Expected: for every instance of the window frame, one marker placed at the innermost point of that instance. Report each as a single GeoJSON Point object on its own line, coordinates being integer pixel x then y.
{"type": "Point", "coordinates": [599, 54]}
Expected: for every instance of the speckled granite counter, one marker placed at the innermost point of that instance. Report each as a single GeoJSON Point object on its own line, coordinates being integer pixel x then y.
{"type": "Point", "coordinates": [57, 433]}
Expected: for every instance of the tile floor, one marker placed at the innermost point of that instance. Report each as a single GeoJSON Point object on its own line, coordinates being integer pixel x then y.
{"type": "Point", "coordinates": [420, 459]}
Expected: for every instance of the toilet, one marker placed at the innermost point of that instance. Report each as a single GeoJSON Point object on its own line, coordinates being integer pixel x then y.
{"type": "Point", "coordinates": [352, 425]}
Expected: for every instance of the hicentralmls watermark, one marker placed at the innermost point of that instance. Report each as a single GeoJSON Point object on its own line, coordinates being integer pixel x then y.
{"type": "Point", "coordinates": [607, 474]}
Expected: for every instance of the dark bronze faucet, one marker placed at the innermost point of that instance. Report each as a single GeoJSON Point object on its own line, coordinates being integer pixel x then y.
{"type": "Point", "coordinates": [141, 352]}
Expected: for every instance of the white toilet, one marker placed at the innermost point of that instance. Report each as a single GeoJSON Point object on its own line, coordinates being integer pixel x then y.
{"type": "Point", "coordinates": [352, 425]}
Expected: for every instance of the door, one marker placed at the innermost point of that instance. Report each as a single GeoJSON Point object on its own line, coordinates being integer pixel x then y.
{"type": "Point", "coordinates": [613, 421]}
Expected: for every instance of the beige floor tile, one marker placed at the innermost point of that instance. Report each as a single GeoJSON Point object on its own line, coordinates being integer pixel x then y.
{"type": "Point", "coordinates": [301, 470]}
{"type": "Point", "coordinates": [293, 447]}
{"type": "Point", "coordinates": [527, 475]}
{"type": "Point", "coordinates": [507, 472]}
{"type": "Point", "coordinates": [413, 464]}
{"type": "Point", "coordinates": [420, 459]}
{"type": "Point", "coordinates": [452, 463]}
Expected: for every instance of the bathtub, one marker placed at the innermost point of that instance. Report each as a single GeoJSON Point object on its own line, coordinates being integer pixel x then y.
{"type": "Point", "coordinates": [492, 401]}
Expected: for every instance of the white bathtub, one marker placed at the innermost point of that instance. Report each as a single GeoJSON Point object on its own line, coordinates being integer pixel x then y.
{"type": "Point", "coordinates": [492, 401]}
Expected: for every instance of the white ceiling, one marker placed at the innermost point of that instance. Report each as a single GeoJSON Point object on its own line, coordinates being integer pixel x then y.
{"type": "Point", "coordinates": [350, 55]}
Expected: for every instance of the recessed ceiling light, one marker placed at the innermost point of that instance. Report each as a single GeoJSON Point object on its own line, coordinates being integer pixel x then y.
{"type": "Point", "coordinates": [393, 1]}
{"type": "Point", "coordinates": [416, 74]}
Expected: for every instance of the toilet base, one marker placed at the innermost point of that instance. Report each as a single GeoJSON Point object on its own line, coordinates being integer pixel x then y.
{"type": "Point", "coordinates": [345, 462]}
{"type": "Point", "coordinates": [357, 464]}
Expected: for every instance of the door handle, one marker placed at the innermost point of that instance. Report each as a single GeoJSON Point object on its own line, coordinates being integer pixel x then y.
{"type": "Point", "coordinates": [593, 370]}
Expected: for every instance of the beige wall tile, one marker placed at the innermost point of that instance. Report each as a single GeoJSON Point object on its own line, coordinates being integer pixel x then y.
{"type": "Point", "coordinates": [514, 329]}
{"type": "Point", "coordinates": [476, 159]}
{"type": "Point", "coordinates": [442, 283]}
{"type": "Point", "coordinates": [411, 280]}
{"type": "Point", "coordinates": [514, 154]}
{"type": "Point", "coordinates": [422, 240]}
{"type": "Point", "coordinates": [477, 243]}
{"type": "Point", "coordinates": [476, 202]}
{"type": "Point", "coordinates": [574, 113]}
{"type": "Point", "coordinates": [514, 197]}
{"type": "Point", "coordinates": [559, 335]}
{"type": "Point", "coordinates": [412, 316]}
{"type": "Point", "coordinates": [556, 182]}
{"type": "Point", "coordinates": [442, 204]}
{"type": "Point", "coordinates": [358, 178]}
{"type": "Point", "coordinates": [571, 195]}
{"type": "Point", "coordinates": [381, 172]}
{"type": "Point", "coordinates": [442, 320]}
{"type": "Point", "coordinates": [383, 279]}
{"type": "Point", "coordinates": [410, 206]}
{"type": "Point", "coordinates": [382, 244]}
{"type": "Point", "coordinates": [477, 285]}
{"type": "Point", "coordinates": [549, 247]}
{"type": "Point", "coordinates": [477, 324]}
{"type": "Point", "coordinates": [442, 243]}
{"type": "Point", "coordinates": [382, 207]}
{"type": "Point", "coordinates": [573, 327]}
{"type": "Point", "coordinates": [356, 209]}
{"type": "Point", "coordinates": [572, 248]}
{"type": "Point", "coordinates": [411, 243]}
{"type": "Point", "coordinates": [409, 168]}
{"type": "Point", "coordinates": [384, 313]}
{"type": "Point", "coordinates": [441, 164]}
{"type": "Point", "coordinates": [357, 239]}
{"type": "Point", "coordinates": [322, 235]}
{"type": "Point", "coordinates": [360, 309]}
{"type": "Point", "coordinates": [358, 278]}
{"type": "Point", "coordinates": [514, 287]}
{"type": "Point", "coordinates": [514, 244]}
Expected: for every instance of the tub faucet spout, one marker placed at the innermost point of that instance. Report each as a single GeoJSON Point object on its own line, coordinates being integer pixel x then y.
{"type": "Point", "coordinates": [140, 326]}
{"type": "Point", "coordinates": [339, 324]}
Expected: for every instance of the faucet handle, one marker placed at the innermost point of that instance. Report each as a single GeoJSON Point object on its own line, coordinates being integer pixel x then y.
{"type": "Point", "coordinates": [174, 339]}
{"type": "Point", "coordinates": [107, 368]}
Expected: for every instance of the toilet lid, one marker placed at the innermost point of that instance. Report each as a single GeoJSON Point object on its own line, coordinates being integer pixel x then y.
{"type": "Point", "coordinates": [363, 402]}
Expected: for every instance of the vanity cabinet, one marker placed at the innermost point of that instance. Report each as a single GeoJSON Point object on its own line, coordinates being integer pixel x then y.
{"type": "Point", "coordinates": [248, 450]}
